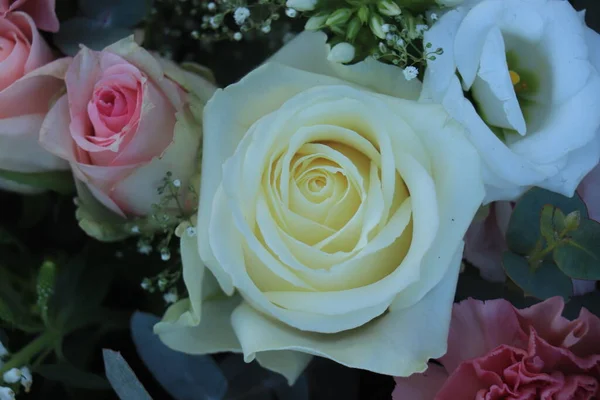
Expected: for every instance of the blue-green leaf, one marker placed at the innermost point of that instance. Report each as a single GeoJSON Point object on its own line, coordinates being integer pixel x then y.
{"type": "Point", "coordinates": [88, 32]}
{"type": "Point", "coordinates": [542, 282]}
{"type": "Point", "coordinates": [524, 227]}
{"type": "Point", "coordinates": [122, 378]}
{"type": "Point", "coordinates": [578, 255]}
{"type": "Point", "coordinates": [116, 13]}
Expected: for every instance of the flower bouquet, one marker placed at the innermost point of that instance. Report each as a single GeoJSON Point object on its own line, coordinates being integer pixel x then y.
{"type": "Point", "coordinates": [301, 199]}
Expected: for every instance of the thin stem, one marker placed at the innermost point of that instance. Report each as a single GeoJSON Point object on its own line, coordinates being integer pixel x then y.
{"type": "Point", "coordinates": [24, 356]}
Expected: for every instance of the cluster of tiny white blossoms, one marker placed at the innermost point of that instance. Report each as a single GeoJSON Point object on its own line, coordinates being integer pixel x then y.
{"type": "Point", "coordinates": [13, 378]}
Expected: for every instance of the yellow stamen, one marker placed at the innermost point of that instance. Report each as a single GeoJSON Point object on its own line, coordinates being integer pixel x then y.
{"type": "Point", "coordinates": [514, 77]}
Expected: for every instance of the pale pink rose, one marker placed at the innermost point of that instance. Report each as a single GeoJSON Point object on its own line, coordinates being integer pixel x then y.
{"type": "Point", "coordinates": [497, 352]}
{"type": "Point", "coordinates": [589, 190]}
{"type": "Point", "coordinates": [42, 11]}
{"type": "Point", "coordinates": [124, 123]}
{"type": "Point", "coordinates": [28, 82]}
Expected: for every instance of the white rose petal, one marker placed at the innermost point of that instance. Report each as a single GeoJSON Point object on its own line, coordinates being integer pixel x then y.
{"type": "Point", "coordinates": [333, 217]}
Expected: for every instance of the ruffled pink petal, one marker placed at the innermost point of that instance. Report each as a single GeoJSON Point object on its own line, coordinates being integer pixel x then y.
{"type": "Point", "coordinates": [479, 327]}
{"type": "Point", "coordinates": [589, 190]}
{"type": "Point", "coordinates": [422, 386]}
{"type": "Point", "coordinates": [589, 342]}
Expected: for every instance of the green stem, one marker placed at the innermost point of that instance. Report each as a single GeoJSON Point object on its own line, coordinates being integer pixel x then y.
{"type": "Point", "coordinates": [24, 356]}
{"type": "Point", "coordinates": [537, 256]}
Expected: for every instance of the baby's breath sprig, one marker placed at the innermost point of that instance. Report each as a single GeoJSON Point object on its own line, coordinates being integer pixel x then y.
{"type": "Point", "coordinates": [215, 20]}
{"type": "Point", "coordinates": [390, 31]}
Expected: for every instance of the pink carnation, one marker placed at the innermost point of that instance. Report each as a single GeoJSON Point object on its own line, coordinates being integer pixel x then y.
{"type": "Point", "coordinates": [496, 351]}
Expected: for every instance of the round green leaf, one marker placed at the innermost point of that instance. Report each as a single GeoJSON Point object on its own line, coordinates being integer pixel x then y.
{"type": "Point", "coordinates": [524, 226]}
{"type": "Point", "coordinates": [88, 32]}
{"type": "Point", "coordinates": [579, 255]}
{"type": "Point", "coordinates": [544, 282]}
{"type": "Point", "coordinates": [117, 13]}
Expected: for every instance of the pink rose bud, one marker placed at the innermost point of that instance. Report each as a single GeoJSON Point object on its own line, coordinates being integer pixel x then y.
{"type": "Point", "coordinates": [496, 351]}
{"type": "Point", "coordinates": [28, 83]}
{"type": "Point", "coordinates": [126, 121]}
{"type": "Point", "coordinates": [42, 11]}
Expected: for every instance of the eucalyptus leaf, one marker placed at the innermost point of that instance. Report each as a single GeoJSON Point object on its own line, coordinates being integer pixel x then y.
{"type": "Point", "coordinates": [188, 377]}
{"type": "Point", "coordinates": [578, 256]}
{"type": "Point", "coordinates": [116, 13]}
{"type": "Point", "coordinates": [91, 33]}
{"type": "Point", "coordinates": [524, 226]}
{"type": "Point", "coordinates": [543, 282]}
{"type": "Point", "coordinates": [58, 181]}
{"type": "Point", "coordinates": [122, 378]}
{"type": "Point", "coordinates": [72, 376]}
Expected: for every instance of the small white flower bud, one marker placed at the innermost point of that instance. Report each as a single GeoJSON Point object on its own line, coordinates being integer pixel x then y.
{"type": "Point", "coordinates": [237, 36]}
{"type": "Point", "coordinates": [389, 8]}
{"type": "Point", "coordinates": [240, 15]}
{"type": "Point", "coordinates": [290, 12]}
{"type": "Point", "coordinates": [170, 297]}
{"type": "Point", "coordinates": [342, 53]}
{"type": "Point", "coordinates": [12, 375]}
{"type": "Point", "coordinates": [211, 6]}
{"type": "Point", "coordinates": [6, 393]}
{"type": "Point", "coordinates": [191, 231]}
{"type": "Point", "coordinates": [26, 379]}
{"type": "Point", "coordinates": [177, 183]}
{"type": "Point", "coordinates": [315, 22]}
{"type": "Point", "coordinates": [410, 73]}
{"type": "Point", "coordinates": [301, 5]}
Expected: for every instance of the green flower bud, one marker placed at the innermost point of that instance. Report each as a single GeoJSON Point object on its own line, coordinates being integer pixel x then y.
{"type": "Point", "coordinates": [45, 287]}
{"type": "Point", "coordinates": [376, 23]}
{"type": "Point", "coordinates": [363, 14]}
{"type": "Point", "coordinates": [315, 22]}
{"type": "Point", "coordinates": [388, 7]}
{"type": "Point", "coordinates": [353, 28]}
{"type": "Point", "coordinates": [339, 17]}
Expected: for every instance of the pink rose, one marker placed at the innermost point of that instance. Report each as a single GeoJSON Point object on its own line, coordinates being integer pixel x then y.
{"type": "Point", "coordinates": [42, 11]}
{"type": "Point", "coordinates": [28, 83]}
{"type": "Point", "coordinates": [124, 123]}
{"type": "Point", "coordinates": [496, 351]}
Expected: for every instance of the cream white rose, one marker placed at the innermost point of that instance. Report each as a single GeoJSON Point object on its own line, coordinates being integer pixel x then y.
{"type": "Point", "coordinates": [531, 90]}
{"type": "Point", "coordinates": [334, 205]}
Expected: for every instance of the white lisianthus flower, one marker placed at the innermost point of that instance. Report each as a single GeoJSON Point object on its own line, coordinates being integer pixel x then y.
{"type": "Point", "coordinates": [530, 91]}
{"type": "Point", "coordinates": [332, 210]}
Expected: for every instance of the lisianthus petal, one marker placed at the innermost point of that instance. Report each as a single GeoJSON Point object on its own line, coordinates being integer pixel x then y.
{"type": "Point", "coordinates": [473, 31]}
{"type": "Point", "coordinates": [492, 88]}
{"type": "Point", "coordinates": [370, 346]}
{"type": "Point", "coordinates": [577, 164]}
{"type": "Point", "coordinates": [549, 142]}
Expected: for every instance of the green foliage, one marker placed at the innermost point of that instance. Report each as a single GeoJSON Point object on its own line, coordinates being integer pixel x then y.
{"type": "Point", "coordinates": [100, 23]}
{"type": "Point", "coordinates": [58, 181]}
{"type": "Point", "coordinates": [578, 255]}
{"type": "Point", "coordinates": [542, 282]}
{"type": "Point", "coordinates": [551, 240]}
